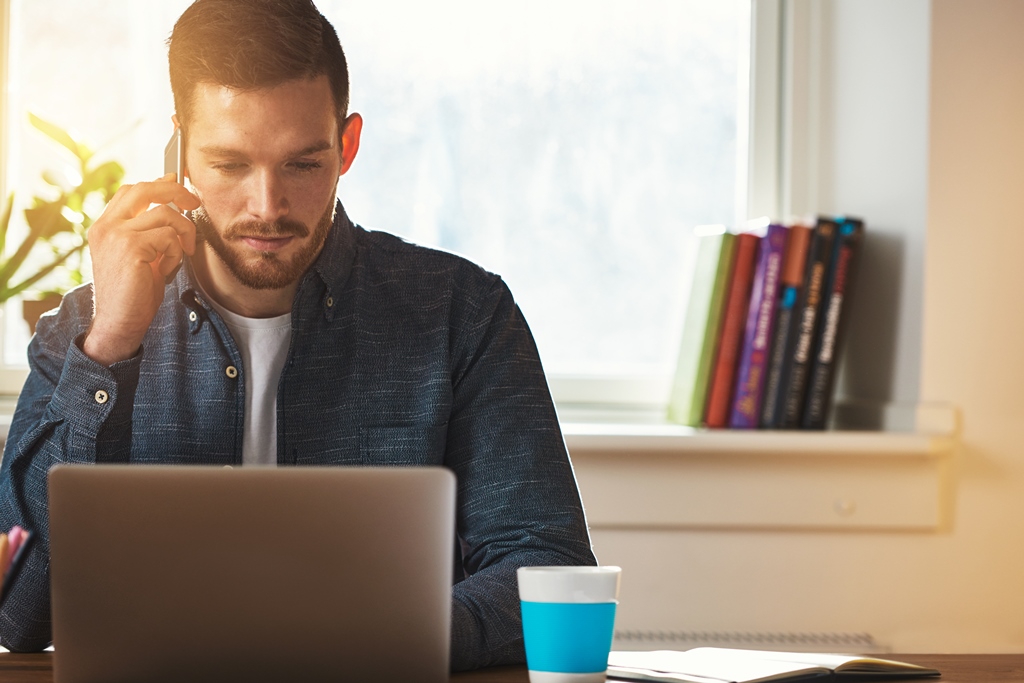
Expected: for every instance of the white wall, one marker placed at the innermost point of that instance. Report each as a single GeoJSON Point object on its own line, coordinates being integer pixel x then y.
{"type": "Point", "coordinates": [873, 158]}
{"type": "Point", "coordinates": [974, 273]}
{"type": "Point", "coordinates": [942, 163]}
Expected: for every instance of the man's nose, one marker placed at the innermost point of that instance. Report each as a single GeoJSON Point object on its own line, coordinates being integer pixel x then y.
{"type": "Point", "coordinates": [267, 198]}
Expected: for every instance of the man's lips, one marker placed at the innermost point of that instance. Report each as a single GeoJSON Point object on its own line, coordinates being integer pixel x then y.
{"type": "Point", "coordinates": [268, 243]}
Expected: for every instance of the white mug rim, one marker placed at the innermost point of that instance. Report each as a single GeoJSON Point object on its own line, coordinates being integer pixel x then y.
{"type": "Point", "coordinates": [568, 584]}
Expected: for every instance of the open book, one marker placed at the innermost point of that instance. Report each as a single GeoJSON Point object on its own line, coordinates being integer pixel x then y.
{"type": "Point", "coordinates": [715, 665]}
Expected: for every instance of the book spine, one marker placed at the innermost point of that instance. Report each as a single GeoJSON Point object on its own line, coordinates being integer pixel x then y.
{"type": "Point", "coordinates": [806, 323]}
{"type": "Point", "coordinates": [720, 395]}
{"type": "Point", "coordinates": [700, 329]}
{"type": "Point", "coordinates": [822, 374]}
{"type": "Point", "coordinates": [771, 414]}
{"type": "Point", "coordinates": [746, 408]}
{"type": "Point", "coordinates": [794, 264]}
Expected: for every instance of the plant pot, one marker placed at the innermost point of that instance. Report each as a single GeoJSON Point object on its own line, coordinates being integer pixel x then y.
{"type": "Point", "coordinates": [31, 309]}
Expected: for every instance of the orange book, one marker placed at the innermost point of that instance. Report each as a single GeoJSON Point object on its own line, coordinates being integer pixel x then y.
{"type": "Point", "coordinates": [737, 299]}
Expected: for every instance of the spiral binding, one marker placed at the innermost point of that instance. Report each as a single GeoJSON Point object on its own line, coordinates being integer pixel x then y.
{"type": "Point", "coordinates": [815, 642]}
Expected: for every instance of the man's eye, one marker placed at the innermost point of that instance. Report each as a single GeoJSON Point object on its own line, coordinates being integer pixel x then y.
{"type": "Point", "coordinates": [227, 167]}
{"type": "Point", "coordinates": [306, 166]}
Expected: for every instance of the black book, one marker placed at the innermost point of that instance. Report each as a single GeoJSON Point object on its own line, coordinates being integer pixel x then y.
{"type": "Point", "coordinates": [806, 321]}
{"type": "Point", "coordinates": [836, 303]}
{"type": "Point", "coordinates": [776, 387]}
{"type": "Point", "coordinates": [794, 263]}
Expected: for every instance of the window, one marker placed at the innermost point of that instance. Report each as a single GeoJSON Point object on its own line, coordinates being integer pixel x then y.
{"type": "Point", "coordinates": [570, 146]}
{"type": "Point", "coordinates": [97, 68]}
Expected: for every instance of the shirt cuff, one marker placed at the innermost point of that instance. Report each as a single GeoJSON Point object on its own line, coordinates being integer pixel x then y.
{"type": "Point", "coordinates": [87, 394]}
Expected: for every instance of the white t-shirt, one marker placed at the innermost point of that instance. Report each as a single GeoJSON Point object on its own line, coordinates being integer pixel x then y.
{"type": "Point", "coordinates": [263, 343]}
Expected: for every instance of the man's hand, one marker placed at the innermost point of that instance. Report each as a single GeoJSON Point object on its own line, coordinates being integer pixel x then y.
{"type": "Point", "coordinates": [134, 248]}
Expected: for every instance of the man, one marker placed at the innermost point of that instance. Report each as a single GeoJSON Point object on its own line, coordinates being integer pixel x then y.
{"type": "Point", "coordinates": [290, 336]}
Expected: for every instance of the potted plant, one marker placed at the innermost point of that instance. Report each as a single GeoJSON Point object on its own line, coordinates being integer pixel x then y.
{"type": "Point", "coordinates": [57, 225]}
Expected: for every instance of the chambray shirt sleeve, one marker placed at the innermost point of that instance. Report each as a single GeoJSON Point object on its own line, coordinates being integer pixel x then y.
{"type": "Point", "coordinates": [518, 500]}
{"type": "Point", "coordinates": [58, 420]}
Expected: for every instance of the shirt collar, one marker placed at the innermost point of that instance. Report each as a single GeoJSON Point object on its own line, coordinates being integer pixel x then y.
{"type": "Point", "coordinates": [334, 264]}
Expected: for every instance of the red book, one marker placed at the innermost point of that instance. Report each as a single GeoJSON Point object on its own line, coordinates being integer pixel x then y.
{"type": "Point", "coordinates": [731, 339]}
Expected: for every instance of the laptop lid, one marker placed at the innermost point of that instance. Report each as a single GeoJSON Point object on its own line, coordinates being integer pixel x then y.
{"type": "Point", "coordinates": [174, 573]}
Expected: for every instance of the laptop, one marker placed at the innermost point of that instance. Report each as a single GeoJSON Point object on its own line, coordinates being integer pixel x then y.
{"type": "Point", "coordinates": [182, 573]}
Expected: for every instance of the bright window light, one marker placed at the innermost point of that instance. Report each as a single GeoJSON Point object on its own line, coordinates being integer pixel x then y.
{"type": "Point", "coordinates": [570, 146]}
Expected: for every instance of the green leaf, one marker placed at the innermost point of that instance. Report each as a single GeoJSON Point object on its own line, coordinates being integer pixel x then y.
{"type": "Point", "coordinates": [5, 222]}
{"type": "Point", "coordinates": [58, 134]}
{"type": "Point", "coordinates": [106, 177]}
{"type": "Point", "coordinates": [45, 219]}
{"type": "Point", "coordinates": [8, 292]}
{"type": "Point", "coordinates": [74, 201]}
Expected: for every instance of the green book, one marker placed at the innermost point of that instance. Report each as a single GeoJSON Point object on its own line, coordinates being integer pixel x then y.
{"type": "Point", "coordinates": [701, 329]}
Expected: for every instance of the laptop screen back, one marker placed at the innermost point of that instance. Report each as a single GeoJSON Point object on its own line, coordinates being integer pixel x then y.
{"type": "Point", "coordinates": [170, 573]}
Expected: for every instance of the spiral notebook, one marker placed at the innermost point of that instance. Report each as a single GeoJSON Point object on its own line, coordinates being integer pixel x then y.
{"type": "Point", "coordinates": [724, 665]}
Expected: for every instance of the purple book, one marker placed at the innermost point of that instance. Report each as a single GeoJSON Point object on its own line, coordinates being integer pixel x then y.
{"type": "Point", "coordinates": [746, 407]}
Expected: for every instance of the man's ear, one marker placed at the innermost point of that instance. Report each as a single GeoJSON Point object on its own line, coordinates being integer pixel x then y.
{"type": "Point", "coordinates": [350, 132]}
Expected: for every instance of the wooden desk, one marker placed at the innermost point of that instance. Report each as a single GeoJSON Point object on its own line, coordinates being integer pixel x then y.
{"type": "Point", "coordinates": [38, 668]}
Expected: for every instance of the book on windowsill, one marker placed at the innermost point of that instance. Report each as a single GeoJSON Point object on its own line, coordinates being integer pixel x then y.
{"type": "Point", "coordinates": [718, 665]}
{"type": "Point", "coordinates": [723, 374]}
{"type": "Point", "coordinates": [750, 377]}
{"type": "Point", "coordinates": [835, 318]}
{"type": "Point", "coordinates": [806, 322]}
{"type": "Point", "coordinates": [791, 284]}
{"type": "Point", "coordinates": [701, 327]}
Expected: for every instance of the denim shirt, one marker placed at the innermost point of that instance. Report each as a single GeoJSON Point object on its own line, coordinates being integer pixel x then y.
{"type": "Point", "coordinates": [399, 355]}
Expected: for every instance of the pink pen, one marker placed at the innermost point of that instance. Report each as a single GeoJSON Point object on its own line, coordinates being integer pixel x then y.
{"type": "Point", "coordinates": [15, 537]}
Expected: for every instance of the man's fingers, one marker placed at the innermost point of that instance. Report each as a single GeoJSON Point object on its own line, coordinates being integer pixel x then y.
{"type": "Point", "coordinates": [138, 197]}
{"type": "Point", "coordinates": [171, 258]}
{"type": "Point", "coordinates": [164, 216]}
{"type": "Point", "coordinates": [151, 245]}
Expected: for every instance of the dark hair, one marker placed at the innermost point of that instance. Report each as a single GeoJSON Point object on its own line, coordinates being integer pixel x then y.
{"type": "Point", "coordinates": [251, 44]}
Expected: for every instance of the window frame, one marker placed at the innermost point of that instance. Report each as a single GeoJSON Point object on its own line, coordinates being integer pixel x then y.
{"type": "Point", "coordinates": [762, 173]}
{"type": "Point", "coordinates": [11, 378]}
{"type": "Point", "coordinates": [765, 126]}
{"type": "Point", "coordinates": [5, 14]}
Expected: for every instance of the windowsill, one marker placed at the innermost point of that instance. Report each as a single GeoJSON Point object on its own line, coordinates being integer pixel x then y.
{"type": "Point", "coordinates": [636, 471]}
{"type": "Point", "coordinates": [619, 437]}
{"type": "Point", "coordinates": [7, 406]}
{"type": "Point", "coordinates": [892, 430]}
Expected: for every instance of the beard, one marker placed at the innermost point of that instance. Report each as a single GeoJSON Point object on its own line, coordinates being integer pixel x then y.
{"type": "Point", "coordinates": [264, 270]}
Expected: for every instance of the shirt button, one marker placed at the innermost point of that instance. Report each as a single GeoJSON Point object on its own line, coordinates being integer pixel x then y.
{"type": "Point", "coordinates": [101, 397]}
{"type": "Point", "coordinates": [330, 301]}
{"type": "Point", "coordinates": [192, 316]}
{"type": "Point", "coordinates": [231, 371]}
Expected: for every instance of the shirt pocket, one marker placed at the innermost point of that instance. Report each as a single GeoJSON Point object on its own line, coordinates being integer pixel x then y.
{"type": "Point", "coordinates": [408, 445]}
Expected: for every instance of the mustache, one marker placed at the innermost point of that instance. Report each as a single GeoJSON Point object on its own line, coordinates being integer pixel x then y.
{"type": "Point", "coordinates": [260, 229]}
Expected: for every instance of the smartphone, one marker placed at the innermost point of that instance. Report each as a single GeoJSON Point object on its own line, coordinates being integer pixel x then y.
{"type": "Point", "coordinates": [172, 159]}
{"type": "Point", "coordinates": [172, 164]}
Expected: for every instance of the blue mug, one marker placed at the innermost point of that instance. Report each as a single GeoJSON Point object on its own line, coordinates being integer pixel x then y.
{"type": "Point", "coordinates": [568, 621]}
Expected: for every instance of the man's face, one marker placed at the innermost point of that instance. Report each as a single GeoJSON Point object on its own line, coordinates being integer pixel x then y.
{"type": "Point", "coordinates": [265, 164]}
